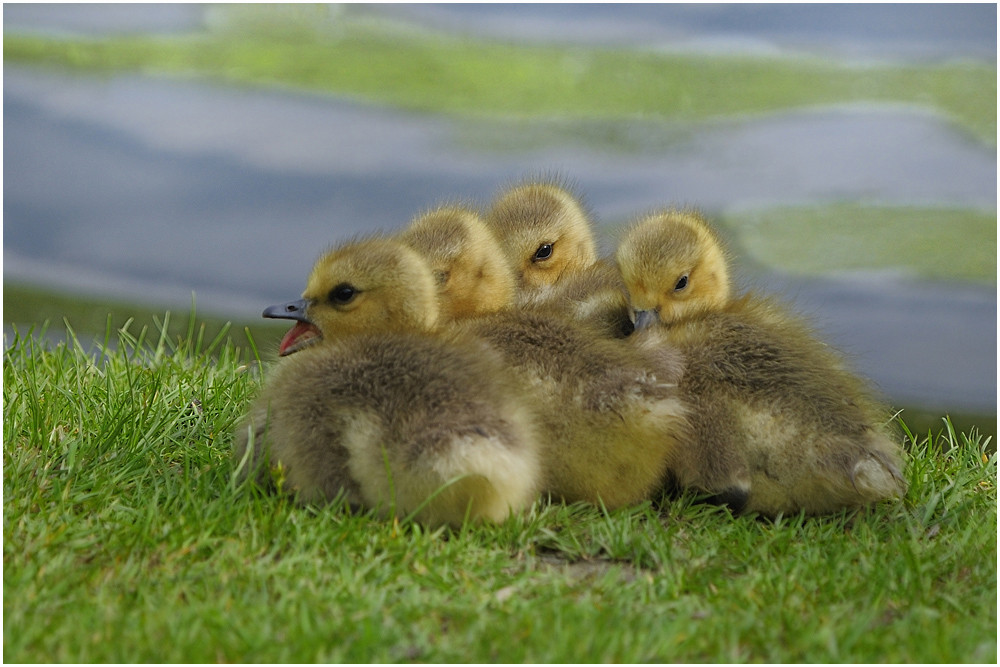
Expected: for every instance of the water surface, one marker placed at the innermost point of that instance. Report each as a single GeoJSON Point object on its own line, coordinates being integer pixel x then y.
{"type": "Point", "coordinates": [914, 32]}
{"type": "Point", "coordinates": [151, 188]}
{"type": "Point", "coordinates": [921, 32]}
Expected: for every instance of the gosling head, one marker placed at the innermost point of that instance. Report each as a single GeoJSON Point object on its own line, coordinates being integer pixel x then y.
{"type": "Point", "coordinates": [469, 268]}
{"type": "Point", "coordinates": [544, 232]}
{"type": "Point", "coordinates": [372, 285]}
{"type": "Point", "coordinates": [674, 266]}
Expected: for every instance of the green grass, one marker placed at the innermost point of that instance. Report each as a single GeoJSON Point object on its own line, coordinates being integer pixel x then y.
{"type": "Point", "coordinates": [937, 243]}
{"type": "Point", "coordinates": [405, 66]}
{"type": "Point", "coordinates": [126, 539]}
{"type": "Point", "coordinates": [93, 317]}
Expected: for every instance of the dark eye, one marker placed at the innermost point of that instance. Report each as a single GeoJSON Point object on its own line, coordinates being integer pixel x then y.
{"type": "Point", "coordinates": [342, 294]}
{"type": "Point", "coordinates": [681, 284]}
{"type": "Point", "coordinates": [441, 277]}
{"type": "Point", "coordinates": [543, 253]}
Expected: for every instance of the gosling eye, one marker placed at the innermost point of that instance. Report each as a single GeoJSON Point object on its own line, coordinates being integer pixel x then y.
{"type": "Point", "coordinates": [682, 283]}
{"type": "Point", "coordinates": [342, 294]}
{"type": "Point", "coordinates": [543, 253]}
{"type": "Point", "coordinates": [441, 277]}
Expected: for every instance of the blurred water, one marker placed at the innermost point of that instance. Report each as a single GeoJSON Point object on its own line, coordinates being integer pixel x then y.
{"type": "Point", "coordinates": [102, 18]}
{"type": "Point", "coordinates": [860, 30]}
{"type": "Point", "coordinates": [930, 31]}
{"type": "Point", "coordinates": [151, 188]}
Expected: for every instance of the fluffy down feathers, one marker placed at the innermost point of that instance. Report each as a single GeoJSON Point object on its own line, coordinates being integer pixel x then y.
{"type": "Point", "coordinates": [773, 411]}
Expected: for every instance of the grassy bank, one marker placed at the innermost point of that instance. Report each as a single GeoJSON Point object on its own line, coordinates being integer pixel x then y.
{"type": "Point", "coordinates": [405, 66]}
{"type": "Point", "coordinates": [126, 539]}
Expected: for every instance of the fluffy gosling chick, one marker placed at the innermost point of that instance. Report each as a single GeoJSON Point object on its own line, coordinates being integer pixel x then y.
{"type": "Point", "coordinates": [398, 420]}
{"type": "Point", "coordinates": [548, 240]}
{"type": "Point", "coordinates": [472, 275]}
{"type": "Point", "coordinates": [543, 231]}
{"type": "Point", "coordinates": [774, 412]}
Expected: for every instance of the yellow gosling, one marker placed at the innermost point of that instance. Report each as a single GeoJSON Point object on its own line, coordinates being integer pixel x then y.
{"type": "Point", "coordinates": [469, 268]}
{"type": "Point", "coordinates": [374, 406]}
{"type": "Point", "coordinates": [548, 240]}
{"type": "Point", "coordinates": [544, 231]}
{"type": "Point", "coordinates": [777, 418]}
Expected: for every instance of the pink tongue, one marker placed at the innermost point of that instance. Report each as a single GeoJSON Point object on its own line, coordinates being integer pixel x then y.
{"type": "Point", "coordinates": [297, 337]}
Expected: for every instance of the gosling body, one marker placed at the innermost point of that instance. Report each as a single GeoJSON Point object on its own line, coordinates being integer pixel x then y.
{"type": "Point", "coordinates": [610, 417]}
{"type": "Point", "coordinates": [399, 423]}
{"type": "Point", "coordinates": [594, 296]}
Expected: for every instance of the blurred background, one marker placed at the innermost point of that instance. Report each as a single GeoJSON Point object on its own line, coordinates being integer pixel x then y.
{"type": "Point", "coordinates": [154, 152]}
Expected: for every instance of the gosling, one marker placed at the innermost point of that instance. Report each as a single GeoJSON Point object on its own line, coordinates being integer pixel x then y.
{"type": "Point", "coordinates": [779, 424]}
{"type": "Point", "coordinates": [544, 232]}
{"type": "Point", "coordinates": [472, 275]}
{"type": "Point", "coordinates": [548, 239]}
{"type": "Point", "coordinates": [367, 405]}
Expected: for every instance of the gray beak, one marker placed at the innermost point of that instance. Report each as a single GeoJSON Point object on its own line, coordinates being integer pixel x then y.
{"type": "Point", "coordinates": [293, 310]}
{"type": "Point", "coordinates": [645, 318]}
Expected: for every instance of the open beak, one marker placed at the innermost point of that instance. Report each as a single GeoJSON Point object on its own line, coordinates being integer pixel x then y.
{"type": "Point", "coordinates": [645, 318]}
{"type": "Point", "coordinates": [300, 336]}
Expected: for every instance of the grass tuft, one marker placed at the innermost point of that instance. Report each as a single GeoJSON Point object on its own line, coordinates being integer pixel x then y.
{"type": "Point", "coordinates": [123, 526]}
